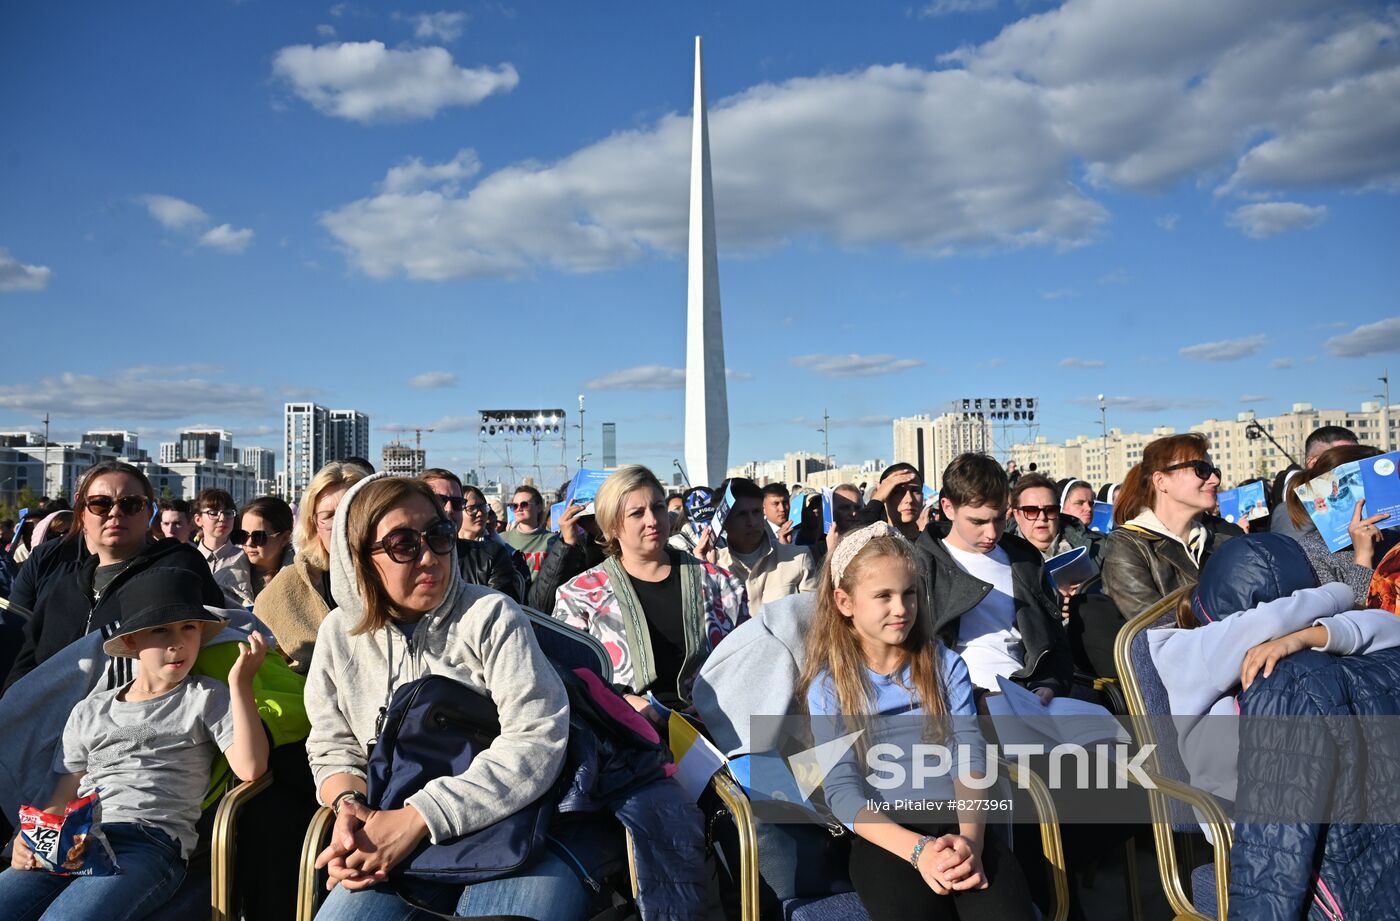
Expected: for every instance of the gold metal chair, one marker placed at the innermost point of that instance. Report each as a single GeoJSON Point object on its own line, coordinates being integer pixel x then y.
{"type": "Point", "coordinates": [1169, 866]}
{"type": "Point", "coordinates": [223, 848]}
{"type": "Point", "coordinates": [1050, 842]}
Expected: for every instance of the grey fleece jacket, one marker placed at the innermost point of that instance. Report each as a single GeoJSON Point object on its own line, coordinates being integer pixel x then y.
{"type": "Point", "coordinates": [476, 636]}
{"type": "Point", "coordinates": [1200, 668]}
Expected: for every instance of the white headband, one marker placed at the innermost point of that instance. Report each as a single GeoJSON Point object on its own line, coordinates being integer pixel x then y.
{"type": "Point", "coordinates": [852, 544]}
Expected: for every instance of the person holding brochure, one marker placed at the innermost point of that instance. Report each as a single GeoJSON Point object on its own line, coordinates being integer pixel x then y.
{"type": "Point", "coordinates": [657, 611]}
{"type": "Point", "coordinates": [777, 506]}
{"type": "Point", "coordinates": [1036, 513]}
{"type": "Point", "coordinates": [870, 654]}
{"type": "Point", "coordinates": [1352, 565]}
{"type": "Point", "coordinates": [1162, 535]}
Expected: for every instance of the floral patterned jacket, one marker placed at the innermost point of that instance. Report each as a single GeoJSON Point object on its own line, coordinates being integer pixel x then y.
{"type": "Point", "coordinates": [602, 602]}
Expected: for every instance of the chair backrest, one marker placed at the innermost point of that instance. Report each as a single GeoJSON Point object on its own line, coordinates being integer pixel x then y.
{"type": "Point", "coordinates": [568, 648]}
{"type": "Point", "coordinates": [1148, 701]}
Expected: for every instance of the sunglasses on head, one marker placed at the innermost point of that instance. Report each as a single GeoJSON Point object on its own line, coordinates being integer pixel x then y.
{"type": "Point", "coordinates": [1033, 512]}
{"type": "Point", "coordinates": [405, 545]}
{"type": "Point", "coordinates": [127, 505]}
{"type": "Point", "coordinates": [1202, 469]}
{"type": "Point", "coordinates": [252, 538]}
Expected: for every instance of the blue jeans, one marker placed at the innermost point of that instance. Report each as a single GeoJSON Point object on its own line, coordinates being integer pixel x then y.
{"type": "Point", "coordinates": [151, 872]}
{"type": "Point", "coordinates": [548, 890]}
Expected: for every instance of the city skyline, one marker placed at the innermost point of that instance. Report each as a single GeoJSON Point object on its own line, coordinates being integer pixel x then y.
{"type": "Point", "coordinates": [1186, 206]}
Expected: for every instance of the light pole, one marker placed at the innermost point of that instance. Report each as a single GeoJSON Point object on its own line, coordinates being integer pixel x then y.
{"type": "Point", "coordinates": [1103, 421]}
{"type": "Point", "coordinates": [46, 454]}
{"type": "Point", "coordinates": [581, 455]}
{"type": "Point", "coordinates": [1385, 411]}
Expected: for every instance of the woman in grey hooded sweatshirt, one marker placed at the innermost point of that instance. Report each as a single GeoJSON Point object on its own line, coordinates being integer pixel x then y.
{"type": "Point", "coordinates": [404, 613]}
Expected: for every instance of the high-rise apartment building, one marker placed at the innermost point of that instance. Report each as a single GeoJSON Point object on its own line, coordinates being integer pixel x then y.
{"type": "Point", "coordinates": [263, 463]}
{"type": "Point", "coordinates": [913, 444]}
{"type": "Point", "coordinates": [304, 446]}
{"type": "Point", "coordinates": [609, 445]}
{"type": "Point", "coordinates": [347, 434]}
{"type": "Point", "coordinates": [122, 444]}
{"type": "Point", "coordinates": [212, 445]}
{"type": "Point", "coordinates": [169, 452]}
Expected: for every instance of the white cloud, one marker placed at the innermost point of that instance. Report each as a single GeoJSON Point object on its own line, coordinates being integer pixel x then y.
{"type": "Point", "coordinates": [440, 26]}
{"type": "Point", "coordinates": [1168, 222]}
{"type": "Point", "coordinates": [975, 157]}
{"type": "Point", "coordinates": [413, 175]}
{"type": "Point", "coordinates": [136, 394]}
{"type": "Point", "coordinates": [855, 365]}
{"type": "Point", "coordinates": [1268, 219]}
{"type": "Point", "coordinates": [174, 213]}
{"type": "Point", "coordinates": [1281, 364]}
{"type": "Point", "coordinates": [1154, 91]}
{"type": "Point", "coordinates": [953, 7]}
{"type": "Point", "coordinates": [18, 276]}
{"type": "Point", "coordinates": [226, 238]}
{"type": "Point", "coordinates": [850, 422]}
{"type": "Point", "coordinates": [1226, 349]}
{"type": "Point", "coordinates": [1377, 338]}
{"type": "Point", "coordinates": [1080, 363]}
{"type": "Point", "coordinates": [887, 155]}
{"type": "Point", "coordinates": [325, 30]}
{"type": "Point", "coordinates": [1255, 398]}
{"type": "Point", "coordinates": [1116, 277]}
{"type": "Point", "coordinates": [434, 380]}
{"type": "Point", "coordinates": [1142, 404]}
{"type": "Point", "coordinates": [367, 82]}
{"type": "Point", "coordinates": [644, 377]}
{"type": "Point", "coordinates": [1059, 294]}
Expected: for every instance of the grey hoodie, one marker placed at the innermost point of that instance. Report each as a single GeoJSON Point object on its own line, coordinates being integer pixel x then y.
{"type": "Point", "coordinates": [476, 636]}
{"type": "Point", "coordinates": [1200, 668]}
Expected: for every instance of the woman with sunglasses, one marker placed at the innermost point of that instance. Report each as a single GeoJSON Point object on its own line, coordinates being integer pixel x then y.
{"type": "Point", "coordinates": [1037, 514]}
{"type": "Point", "coordinates": [404, 613]}
{"type": "Point", "coordinates": [1162, 534]}
{"type": "Point", "coordinates": [1354, 565]}
{"type": "Point", "coordinates": [80, 577]}
{"type": "Point", "coordinates": [658, 611]}
{"type": "Point", "coordinates": [265, 533]}
{"type": "Point", "coordinates": [299, 597]}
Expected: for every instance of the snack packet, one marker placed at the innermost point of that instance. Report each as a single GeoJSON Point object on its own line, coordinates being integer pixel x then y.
{"type": "Point", "coordinates": [71, 844]}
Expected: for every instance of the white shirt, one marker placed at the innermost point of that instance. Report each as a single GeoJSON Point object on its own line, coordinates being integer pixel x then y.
{"type": "Point", "coordinates": [988, 639]}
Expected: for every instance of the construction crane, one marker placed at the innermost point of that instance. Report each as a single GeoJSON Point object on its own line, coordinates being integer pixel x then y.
{"type": "Point", "coordinates": [418, 437]}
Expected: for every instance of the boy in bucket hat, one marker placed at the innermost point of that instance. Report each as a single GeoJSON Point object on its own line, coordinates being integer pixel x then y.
{"type": "Point", "coordinates": [146, 748]}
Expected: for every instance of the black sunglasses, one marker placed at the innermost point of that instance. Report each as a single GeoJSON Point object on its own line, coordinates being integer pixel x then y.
{"type": "Point", "coordinates": [252, 538]}
{"type": "Point", "coordinates": [453, 503]}
{"type": "Point", "coordinates": [1033, 512]}
{"type": "Point", "coordinates": [126, 505]}
{"type": "Point", "coordinates": [405, 545]}
{"type": "Point", "coordinates": [1202, 469]}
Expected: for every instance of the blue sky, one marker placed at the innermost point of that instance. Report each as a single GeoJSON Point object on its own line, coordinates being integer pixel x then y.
{"type": "Point", "coordinates": [209, 208]}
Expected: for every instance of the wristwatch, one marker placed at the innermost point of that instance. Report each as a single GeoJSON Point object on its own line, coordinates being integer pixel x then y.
{"type": "Point", "coordinates": [919, 849]}
{"type": "Point", "coordinates": [347, 794]}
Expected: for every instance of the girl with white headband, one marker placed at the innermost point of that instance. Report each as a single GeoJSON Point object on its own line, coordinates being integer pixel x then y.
{"type": "Point", "coordinates": [872, 654]}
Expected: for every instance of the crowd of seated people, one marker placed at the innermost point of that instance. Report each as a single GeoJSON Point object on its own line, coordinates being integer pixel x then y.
{"type": "Point", "coordinates": [905, 601]}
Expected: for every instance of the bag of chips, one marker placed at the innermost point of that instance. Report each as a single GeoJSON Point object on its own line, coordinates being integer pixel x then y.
{"type": "Point", "coordinates": [71, 844]}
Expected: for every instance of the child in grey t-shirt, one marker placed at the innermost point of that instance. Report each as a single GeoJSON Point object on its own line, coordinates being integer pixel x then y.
{"type": "Point", "coordinates": [147, 749]}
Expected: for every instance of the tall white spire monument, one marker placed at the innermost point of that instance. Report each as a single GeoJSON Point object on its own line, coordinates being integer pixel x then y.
{"type": "Point", "coordinates": [706, 392]}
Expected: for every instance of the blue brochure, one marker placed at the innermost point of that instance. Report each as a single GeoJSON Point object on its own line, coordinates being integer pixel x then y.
{"type": "Point", "coordinates": [826, 509]}
{"type": "Point", "coordinates": [795, 510]}
{"type": "Point", "coordinates": [722, 509]}
{"type": "Point", "coordinates": [556, 511]}
{"type": "Point", "coordinates": [583, 487]}
{"type": "Point", "coordinates": [1103, 518]}
{"type": "Point", "coordinates": [1229, 501]}
{"type": "Point", "coordinates": [1331, 499]}
{"type": "Point", "coordinates": [930, 495]}
{"type": "Point", "coordinates": [1382, 483]}
{"type": "Point", "coordinates": [1071, 568]}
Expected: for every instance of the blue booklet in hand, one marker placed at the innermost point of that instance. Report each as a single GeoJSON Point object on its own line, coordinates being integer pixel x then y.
{"type": "Point", "coordinates": [1245, 502]}
{"type": "Point", "coordinates": [799, 502]}
{"type": "Point", "coordinates": [1071, 568]}
{"type": "Point", "coordinates": [1103, 518]}
{"type": "Point", "coordinates": [583, 487]}
{"type": "Point", "coordinates": [722, 510]}
{"type": "Point", "coordinates": [827, 519]}
{"type": "Point", "coordinates": [1382, 481]}
{"type": "Point", "coordinates": [556, 511]}
{"type": "Point", "coordinates": [1331, 500]}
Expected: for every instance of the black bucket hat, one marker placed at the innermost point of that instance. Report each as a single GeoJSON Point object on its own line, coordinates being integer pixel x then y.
{"type": "Point", "coordinates": [158, 597]}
